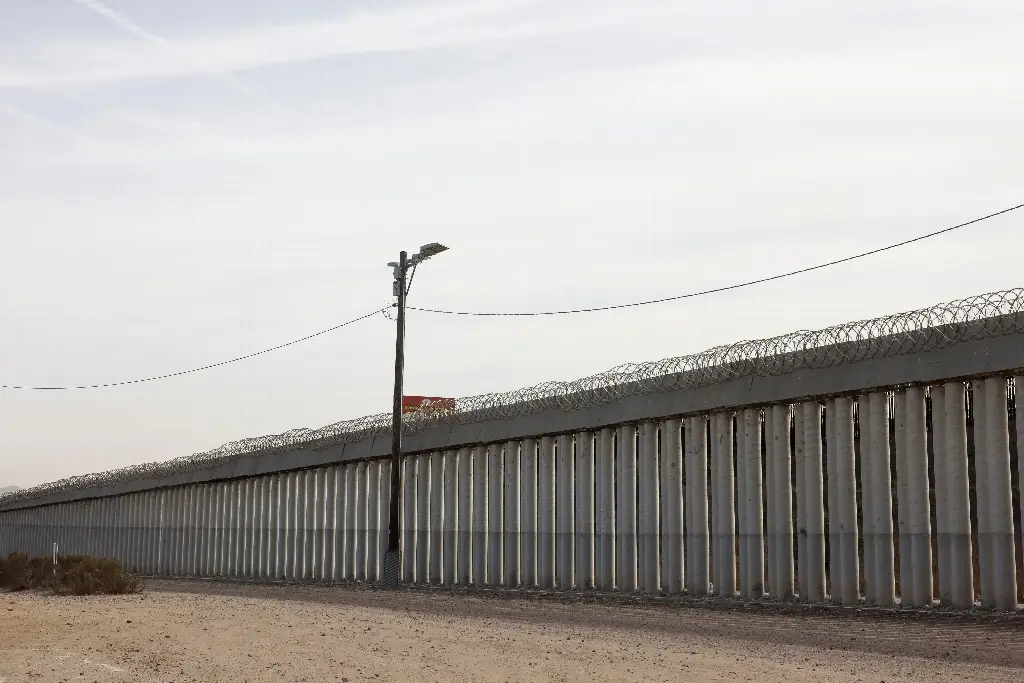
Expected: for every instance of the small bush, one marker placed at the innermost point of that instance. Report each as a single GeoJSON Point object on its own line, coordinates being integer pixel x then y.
{"type": "Point", "coordinates": [84, 575]}
{"type": "Point", "coordinates": [16, 572]}
{"type": "Point", "coordinates": [73, 574]}
{"type": "Point", "coordinates": [41, 570]}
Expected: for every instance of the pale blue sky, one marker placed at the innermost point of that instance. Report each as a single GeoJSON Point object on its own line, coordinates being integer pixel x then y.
{"type": "Point", "coordinates": [185, 182]}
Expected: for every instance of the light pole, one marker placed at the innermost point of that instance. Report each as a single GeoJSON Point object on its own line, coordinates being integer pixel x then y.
{"type": "Point", "coordinates": [405, 266]}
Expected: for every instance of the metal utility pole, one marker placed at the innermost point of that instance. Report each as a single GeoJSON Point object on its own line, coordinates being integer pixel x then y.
{"type": "Point", "coordinates": [396, 424]}
{"type": "Point", "coordinates": [391, 574]}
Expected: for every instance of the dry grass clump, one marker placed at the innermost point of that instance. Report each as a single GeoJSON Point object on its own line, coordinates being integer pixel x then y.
{"type": "Point", "coordinates": [73, 574]}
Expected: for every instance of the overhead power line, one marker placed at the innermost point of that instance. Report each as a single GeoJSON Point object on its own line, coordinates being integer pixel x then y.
{"type": "Point", "coordinates": [726, 288]}
{"type": "Point", "coordinates": [689, 295]}
{"type": "Point", "coordinates": [200, 369]}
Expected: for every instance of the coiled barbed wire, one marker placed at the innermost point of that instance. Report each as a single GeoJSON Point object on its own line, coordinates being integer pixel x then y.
{"type": "Point", "coordinates": [979, 317]}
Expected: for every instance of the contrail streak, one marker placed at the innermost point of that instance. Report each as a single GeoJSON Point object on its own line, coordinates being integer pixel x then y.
{"type": "Point", "coordinates": [136, 30]}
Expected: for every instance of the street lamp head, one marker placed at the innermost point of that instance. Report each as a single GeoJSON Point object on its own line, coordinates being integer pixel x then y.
{"type": "Point", "coordinates": [425, 252]}
{"type": "Point", "coordinates": [432, 249]}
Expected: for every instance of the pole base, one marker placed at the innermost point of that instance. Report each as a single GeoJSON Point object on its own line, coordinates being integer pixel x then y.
{"type": "Point", "coordinates": [391, 574]}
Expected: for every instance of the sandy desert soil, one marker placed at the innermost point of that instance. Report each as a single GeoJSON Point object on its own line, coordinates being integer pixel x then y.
{"type": "Point", "coordinates": [201, 631]}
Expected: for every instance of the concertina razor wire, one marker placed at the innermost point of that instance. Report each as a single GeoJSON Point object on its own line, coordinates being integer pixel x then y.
{"type": "Point", "coordinates": [978, 317]}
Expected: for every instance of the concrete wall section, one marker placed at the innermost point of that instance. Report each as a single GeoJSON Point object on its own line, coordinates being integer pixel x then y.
{"type": "Point", "coordinates": [672, 504]}
{"type": "Point", "coordinates": [408, 513]}
{"type": "Point", "coordinates": [436, 503]}
{"type": "Point", "coordinates": [546, 513]}
{"type": "Point", "coordinates": [421, 520]}
{"type": "Point", "coordinates": [449, 526]}
{"type": "Point", "coordinates": [625, 509]}
{"type": "Point", "coordinates": [479, 517]}
{"type": "Point", "coordinates": [913, 498]}
{"type": "Point", "coordinates": [813, 516]}
{"type": "Point", "coordinates": [844, 559]}
{"type": "Point", "coordinates": [510, 494]}
{"type": "Point", "coordinates": [604, 512]}
{"type": "Point", "coordinates": [383, 511]}
{"type": "Point", "coordinates": [879, 562]}
{"type": "Point", "coordinates": [723, 500]}
{"type": "Point", "coordinates": [584, 525]}
{"type": "Point", "coordinates": [649, 509]}
{"type": "Point", "coordinates": [565, 511]}
{"type": "Point", "coordinates": [464, 510]}
{"type": "Point", "coordinates": [995, 509]}
{"type": "Point", "coordinates": [751, 525]}
{"type": "Point", "coordinates": [495, 515]}
{"type": "Point", "coordinates": [528, 513]}
{"type": "Point", "coordinates": [698, 533]}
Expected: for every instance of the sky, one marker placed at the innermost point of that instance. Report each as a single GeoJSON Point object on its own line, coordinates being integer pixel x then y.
{"type": "Point", "coordinates": [183, 183]}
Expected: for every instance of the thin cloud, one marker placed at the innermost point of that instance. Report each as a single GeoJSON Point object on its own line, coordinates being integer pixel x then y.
{"type": "Point", "coordinates": [39, 122]}
{"type": "Point", "coordinates": [141, 120]}
{"type": "Point", "coordinates": [164, 44]}
{"type": "Point", "coordinates": [245, 48]}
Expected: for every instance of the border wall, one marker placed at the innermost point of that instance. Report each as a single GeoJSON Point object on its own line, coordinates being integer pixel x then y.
{"type": "Point", "coordinates": [875, 462]}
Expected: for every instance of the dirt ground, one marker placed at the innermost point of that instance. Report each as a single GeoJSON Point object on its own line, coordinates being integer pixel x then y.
{"type": "Point", "coordinates": [200, 631]}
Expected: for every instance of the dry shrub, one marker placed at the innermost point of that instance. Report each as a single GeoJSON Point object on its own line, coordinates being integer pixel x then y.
{"type": "Point", "coordinates": [73, 574]}
{"type": "Point", "coordinates": [40, 570]}
{"type": "Point", "coordinates": [85, 575]}
{"type": "Point", "coordinates": [16, 573]}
